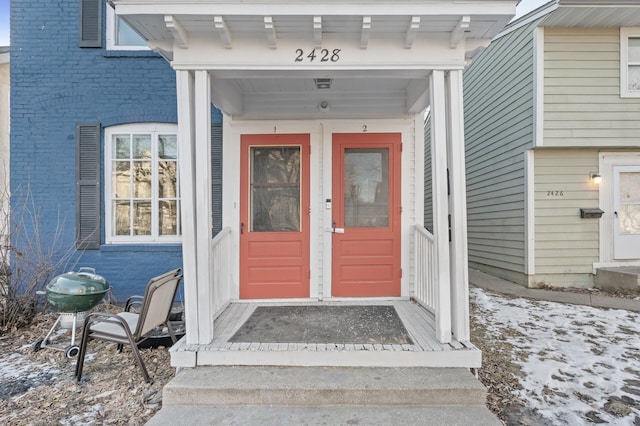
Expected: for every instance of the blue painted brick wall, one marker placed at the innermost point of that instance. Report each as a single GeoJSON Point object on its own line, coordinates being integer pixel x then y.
{"type": "Point", "coordinates": [54, 85]}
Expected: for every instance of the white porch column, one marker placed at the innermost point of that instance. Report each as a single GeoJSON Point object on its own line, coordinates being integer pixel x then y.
{"type": "Point", "coordinates": [194, 143]}
{"type": "Point", "coordinates": [186, 150]}
{"type": "Point", "coordinates": [203, 213]}
{"type": "Point", "coordinates": [440, 204]}
{"type": "Point", "coordinates": [457, 208]}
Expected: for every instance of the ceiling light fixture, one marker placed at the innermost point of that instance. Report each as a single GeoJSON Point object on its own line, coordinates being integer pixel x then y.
{"type": "Point", "coordinates": [323, 83]}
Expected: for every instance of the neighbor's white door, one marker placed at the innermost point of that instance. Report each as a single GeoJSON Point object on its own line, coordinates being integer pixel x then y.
{"type": "Point", "coordinates": [626, 204]}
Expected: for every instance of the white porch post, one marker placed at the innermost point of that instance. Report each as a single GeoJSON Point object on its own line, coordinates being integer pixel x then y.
{"type": "Point", "coordinates": [186, 150]}
{"type": "Point", "coordinates": [457, 208]}
{"type": "Point", "coordinates": [203, 214]}
{"type": "Point", "coordinates": [194, 143]}
{"type": "Point", "coordinates": [440, 204]}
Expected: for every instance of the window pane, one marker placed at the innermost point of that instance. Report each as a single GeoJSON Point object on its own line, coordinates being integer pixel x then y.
{"type": "Point", "coordinates": [629, 219]}
{"type": "Point", "coordinates": [634, 49]}
{"type": "Point", "coordinates": [167, 187]}
{"type": "Point", "coordinates": [125, 36]}
{"type": "Point", "coordinates": [634, 77]}
{"type": "Point", "coordinates": [142, 179]}
{"type": "Point", "coordinates": [121, 183]}
{"type": "Point", "coordinates": [167, 147]}
{"type": "Point", "coordinates": [122, 146]}
{"type": "Point", "coordinates": [275, 189]}
{"type": "Point", "coordinates": [141, 146]}
{"type": "Point", "coordinates": [629, 214]}
{"type": "Point", "coordinates": [141, 218]}
{"type": "Point", "coordinates": [122, 218]}
{"type": "Point", "coordinates": [366, 187]}
{"type": "Point", "coordinates": [168, 218]}
{"type": "Point", "coordinates": [629, 187]}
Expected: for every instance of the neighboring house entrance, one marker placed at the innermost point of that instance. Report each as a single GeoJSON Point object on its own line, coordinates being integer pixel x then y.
{"type": "Point", "coordinates": [626, 193]}
{"type": "Point", "coordinates": [274, 216]}
{"type": "Point", "coordinates": [366, 215]}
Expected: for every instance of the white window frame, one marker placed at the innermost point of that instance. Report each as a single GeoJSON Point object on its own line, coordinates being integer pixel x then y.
{"type": "Point", "coordinates": [625, 34]}
{"type": "Point", "coordinates": [154, 129]}
{"type": "Point", "coordinates": [111, 33]}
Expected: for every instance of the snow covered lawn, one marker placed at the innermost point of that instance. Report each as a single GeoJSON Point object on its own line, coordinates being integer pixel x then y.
{"type": "Point", "coordinates": [579, 365]}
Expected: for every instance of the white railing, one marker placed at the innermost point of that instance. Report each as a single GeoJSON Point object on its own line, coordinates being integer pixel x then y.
{"type": "Point", "coordinates": [431, 290]}
{"type": "Point", "coordinates": [220, 271]}
{"type": "Point", "coordinates": [425, 290]}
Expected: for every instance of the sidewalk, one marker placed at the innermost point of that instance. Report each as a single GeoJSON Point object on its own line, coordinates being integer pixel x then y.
{"type": "Point", "coordinates": [498, 285]}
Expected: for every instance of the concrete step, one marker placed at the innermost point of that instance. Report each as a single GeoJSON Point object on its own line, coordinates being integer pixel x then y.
{"type": "Point", "coordinates": [623, 278]}
{"type": "Point", "coordinates": [276, 415]}
{"type": "Point", "coordinates": [324, 386]}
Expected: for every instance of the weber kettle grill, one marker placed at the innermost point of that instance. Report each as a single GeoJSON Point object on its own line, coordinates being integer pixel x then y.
{"type": "Point", "coordinates": [72, 294]}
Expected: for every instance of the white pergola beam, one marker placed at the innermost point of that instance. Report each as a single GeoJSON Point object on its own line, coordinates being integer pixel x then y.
{"type": "Point", "coordinates": [270, 32]}
{"type": "Point", "coordinates": [317, 31]}
{"type": "Point", "coordinates": [223, 30]}
{"type": "Point", "coordinates": [364, 35]}
{"type": "Point", "coordinates": [412, 32]}
{"type": "Point", "coordinates": [179, 34]}
{"type": "Point", "coordinates": [457, 35]}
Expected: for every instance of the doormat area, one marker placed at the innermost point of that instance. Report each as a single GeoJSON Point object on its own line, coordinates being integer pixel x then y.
{"type": "Point", "coordinates": [377, 324]}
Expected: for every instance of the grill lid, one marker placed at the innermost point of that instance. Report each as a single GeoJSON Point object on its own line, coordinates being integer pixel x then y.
{"type": "Point", "coordinates": [83, 282]}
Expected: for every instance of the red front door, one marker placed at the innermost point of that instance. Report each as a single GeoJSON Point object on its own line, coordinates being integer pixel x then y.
{"type": "Point", "coordinates": [366, 215]}
{"type": "Point", "coordinates": [274, 216]}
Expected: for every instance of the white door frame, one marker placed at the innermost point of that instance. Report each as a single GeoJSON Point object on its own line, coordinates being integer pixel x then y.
{"type": "Point", "coordinates": [607, 161]}
{"type": "Point", "coordinates": [320, 132]}
{"type": "Point", "coordinates": [622, 243]}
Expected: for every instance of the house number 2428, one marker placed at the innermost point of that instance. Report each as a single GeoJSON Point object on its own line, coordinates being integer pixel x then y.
{"type": "Point", "coordinates": [320, 55]}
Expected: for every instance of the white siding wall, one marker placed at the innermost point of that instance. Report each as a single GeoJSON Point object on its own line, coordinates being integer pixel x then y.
{"type": "Point", "coordinates": [582, 100]}
{"type": "Point", "coordinates": [566, 245]}
{"type": "Point", "coordinates": [499, 110]}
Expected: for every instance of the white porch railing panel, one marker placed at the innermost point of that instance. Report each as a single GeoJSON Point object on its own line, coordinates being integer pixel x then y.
{"type": "Point", "coordinates": [220, 272]}
{"type": "Point", "coordinates": [427, 288]}
{"type": "Point", "coordinates": [425, 285]}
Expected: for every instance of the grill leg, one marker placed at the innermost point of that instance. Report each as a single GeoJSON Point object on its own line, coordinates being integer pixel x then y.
{"type": "Point", "coordinates": [73, 328]}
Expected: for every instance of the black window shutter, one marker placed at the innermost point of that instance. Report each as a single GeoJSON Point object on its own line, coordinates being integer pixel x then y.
{"type": "Point", "coordinates": [216, 176]}
{"type": "Point", "coordinates": [91, 23]}
{"type": "Point", "coordinates": [88, 186]}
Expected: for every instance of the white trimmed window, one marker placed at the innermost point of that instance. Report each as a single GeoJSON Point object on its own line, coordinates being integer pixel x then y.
{"type": "Point", "coordinates": [120, 36]}
{"type": "Point", "coordinates": [141, 185]}
{"type": "Point", "coordinates": [630, 62]}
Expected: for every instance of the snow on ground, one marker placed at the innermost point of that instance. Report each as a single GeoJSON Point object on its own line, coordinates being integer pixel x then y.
{"type": "Point", "coordinates": [580, 365]}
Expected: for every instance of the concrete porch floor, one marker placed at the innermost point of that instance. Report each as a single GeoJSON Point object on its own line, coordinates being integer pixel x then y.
{"type": "Point", "coordinates": [424, 351]}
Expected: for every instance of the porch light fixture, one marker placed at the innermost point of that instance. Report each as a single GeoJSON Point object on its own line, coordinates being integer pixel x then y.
{"type": "Point", "coordinates": [323, 106]}
{"type": "Point", "coordinates": [596, 178]}
{"type": "Point", "coordinates": [323, 83]}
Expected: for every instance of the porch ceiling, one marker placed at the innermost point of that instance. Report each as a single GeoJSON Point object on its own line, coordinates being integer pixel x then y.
{"type": "Point", "coordinates": [250, 48]}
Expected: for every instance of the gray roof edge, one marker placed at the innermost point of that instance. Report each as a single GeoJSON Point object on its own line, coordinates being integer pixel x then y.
{"type": "Point", "coordinates": [532, 16]}
{"type": "Point", "coordinates": [547, 9]}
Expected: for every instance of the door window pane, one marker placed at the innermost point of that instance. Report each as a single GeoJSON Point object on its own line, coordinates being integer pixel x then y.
{"type": "Point", "coordinates": [275, 188]}
{"type": "Point", "coordinates": [629, 211]}
{"type": "Point", "coordinates": [366, 188]}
